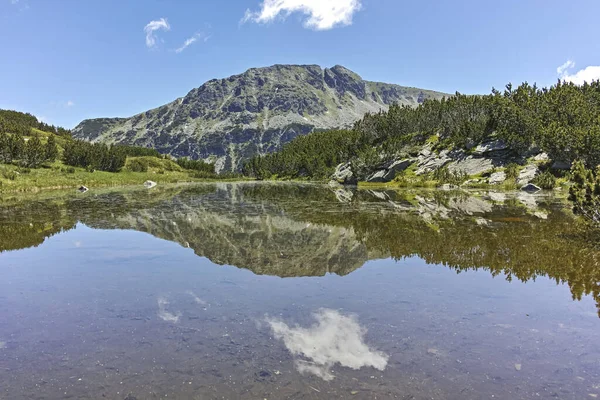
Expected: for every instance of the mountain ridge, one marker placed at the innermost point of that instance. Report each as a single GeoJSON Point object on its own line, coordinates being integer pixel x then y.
{"type": "Point", "coordinates": [229, 120]}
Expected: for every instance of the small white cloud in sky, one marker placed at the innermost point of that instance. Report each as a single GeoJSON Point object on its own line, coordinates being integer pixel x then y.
{"type": "Point", "coordinates": [321, 14]}
{"type": "Point", "coordinates": [588, 74]}
{"type": "Point", "coordinates": [152, 27]}
{"type": "Point", "coordinates": [70, 103]}
{"type": "Point", "coordinates": [192, 40]}
{"type": "Point", "coordinates": [565, 67]}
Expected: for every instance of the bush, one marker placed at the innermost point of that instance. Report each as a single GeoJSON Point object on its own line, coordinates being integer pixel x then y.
{"type": "Point", "coordinates": [443, 175]}
{"type": "Point", "coordinates": [585, 192]}
{"type": "Point", "coordinates": [137, 165]}
{"type": "Point", "coordinates": [545, 180]}
{"type": "Point", "coordinates": [512, 171]}
{"type": "Point", "coordinates": [9, 174]}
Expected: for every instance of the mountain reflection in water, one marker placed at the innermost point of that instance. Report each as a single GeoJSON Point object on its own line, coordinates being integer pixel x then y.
{"type": "Point", "coordinates": [311, 230]}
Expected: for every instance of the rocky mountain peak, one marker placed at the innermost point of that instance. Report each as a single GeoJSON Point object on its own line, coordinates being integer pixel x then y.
{"type": "Point", "coordinates": [231, 119]}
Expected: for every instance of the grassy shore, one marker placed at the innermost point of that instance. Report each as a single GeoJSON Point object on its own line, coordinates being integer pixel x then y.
{"type": "Point", "coordinates": [59, 176]}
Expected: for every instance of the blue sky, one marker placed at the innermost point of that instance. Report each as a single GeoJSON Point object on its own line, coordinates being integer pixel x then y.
{"type": "Point", "coordinates": [66, 60]}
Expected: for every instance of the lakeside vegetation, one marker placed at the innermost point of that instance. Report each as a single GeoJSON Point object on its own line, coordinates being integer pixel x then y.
{"type": "Point", "coordinates": [562, 121]}
{"type": "Point", "coordinates": [35, 155]}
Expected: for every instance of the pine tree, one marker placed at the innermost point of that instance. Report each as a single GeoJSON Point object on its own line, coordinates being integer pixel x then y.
{"type": "Point", "coordinates": [34, 153]}
{"type": "Point", "coordinates": [51, 149]}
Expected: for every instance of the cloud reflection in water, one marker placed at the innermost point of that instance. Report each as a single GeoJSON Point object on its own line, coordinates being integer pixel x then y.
{"type": "Point", "coordinates": [334, 338]}
{"type": "Point", "coordinates": [164, 314]}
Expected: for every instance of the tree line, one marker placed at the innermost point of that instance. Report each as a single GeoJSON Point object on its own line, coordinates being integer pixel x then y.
{"type": "Point", "coordinates": [562, 120]}
{"type": "Point", "coordinates": [31, 153]}
{"type": "Point", "coordinates": [23, 123]}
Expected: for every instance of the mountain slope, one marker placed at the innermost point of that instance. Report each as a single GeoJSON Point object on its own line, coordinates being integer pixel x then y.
{"type": "Point", "coordinates": [229, 120]}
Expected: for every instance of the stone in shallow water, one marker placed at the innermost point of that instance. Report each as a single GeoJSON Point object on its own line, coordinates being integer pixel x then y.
{"type": "Point", "coordinates": [149, 184]}
{"type": "Point", "coordinates": [531, 188]}
{"type": "Point", "coordinates": [2, 345]}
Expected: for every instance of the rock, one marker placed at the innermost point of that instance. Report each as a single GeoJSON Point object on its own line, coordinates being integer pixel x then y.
{"type": "Point", "coordinates": [432, 161]}
{"type": "Point", "coordinates": [561, 165]}
{"type": "Point", "coordinates": [531, 188]}
{"type": "Point", "coordinates": [497, 197]}
{"type": "Point", "coordinates": [482, 222]}
{"type": "Point", "coordinates": [497, 178]}
{"type": "Point", "coordinates": [518, 367]}
{"type": "Point", "coordinates": [149, 184]}
{"type": "Point", "coordinates": [378, 176]}
{"type": "Point", "coordinates": [130, 397]}
{"type": "Point", "coordinates": [343, 174]}
{"type": "Point", "coordinates": [527, 174]}
{"type": "Point", "coordinates": [472, 165]}
{"type": "Point", "coordinates": [490, 146]}
{"type": "Point", "coordinates": [448, 186]}
{"type": "Point", "coordinates": [541, 214]}
{"type": "Point", "coordinates": [388, 173]}
{"type": "Point", "coordinates": [83, 189]}
{"type": "Point", "coordinates": [541, 157]}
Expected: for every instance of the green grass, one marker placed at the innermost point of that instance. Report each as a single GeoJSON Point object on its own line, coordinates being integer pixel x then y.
{"type": "Point", "coordinates": [60, 176]}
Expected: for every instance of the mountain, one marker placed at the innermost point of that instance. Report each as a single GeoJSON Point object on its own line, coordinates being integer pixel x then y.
{"type": "Point", "coordinates": [229, 120]}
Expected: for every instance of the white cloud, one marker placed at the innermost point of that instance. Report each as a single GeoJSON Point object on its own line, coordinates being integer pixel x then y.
{"type": "Point", "coordinates": [153, 26]}
{"type": "Point", "coordinates": [335, 338]}
{"type": "Point", "coordinates": [565, 67]}
{"type": "Point", "coordinates": [192, 40]}
{"type": "Point", "coordinates": [322, 14]}
{"type": "Point", "coordinates": [70, 103]}
{"type": "Point", "coordinates": [588, 74]}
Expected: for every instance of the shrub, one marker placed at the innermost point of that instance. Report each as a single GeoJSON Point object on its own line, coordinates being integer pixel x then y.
{"type": "Point", "coordinates": [545, 180]}
{"type": "Point", "coordinates": [512, 171]}
{"type": "Point", "coordinates": [585, 192]}
{"type": "Point", "coordinates": [9, 174]}
{"type": "Point", "coordinates": [137, 165]}
{"type": "Point", "coordinates": [443, 175]}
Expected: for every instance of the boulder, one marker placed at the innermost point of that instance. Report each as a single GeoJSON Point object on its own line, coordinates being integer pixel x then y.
{"type": "Point", "coordinates": [82, 189]}
{"type": "Point", "coordinates": [343, 174]}
{"type": "Point", "coordinates": [497, 197]}
{"type": "Point", "coordinates": [541, 157]}
{"type": "Point", "coordinates": [531, 188]}
{"type": "Point", "coordinates": [527, 174]}
{"type": "Point", "coordinates": [388, 173]}
{"type": "Point", "coordinates": [490, 146]}
{"type": "Point", "coordinates": [428, 161]}
{"type": "Point", "coordinates": [149, 184]}
{"type": "Point", "coordinates": [472, 165]}
{"type": "Point", "coordinates": [497, 178]}
{"type": "Point", "coordinates": [561, 165]}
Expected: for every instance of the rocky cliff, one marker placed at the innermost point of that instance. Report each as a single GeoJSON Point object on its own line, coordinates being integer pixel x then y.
{"type": "Point", "coordinates": [229, 120]}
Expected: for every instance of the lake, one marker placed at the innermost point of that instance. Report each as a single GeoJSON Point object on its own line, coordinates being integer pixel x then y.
{"type": "Point", "coordinates": [296, 291]}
